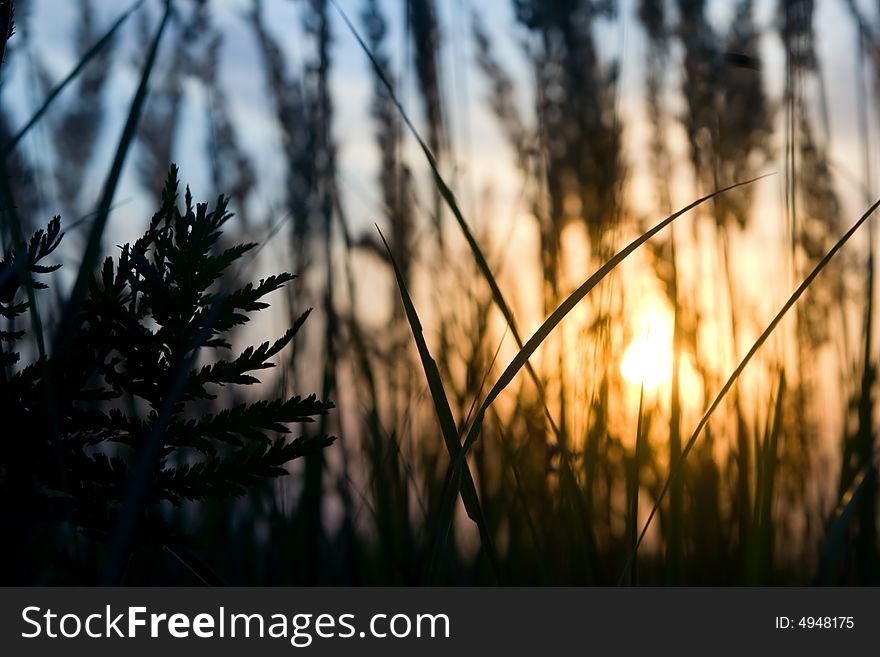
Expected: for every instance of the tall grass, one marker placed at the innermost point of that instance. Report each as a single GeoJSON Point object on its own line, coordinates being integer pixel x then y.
{"type": "Point", "coordinates": [452, 467]}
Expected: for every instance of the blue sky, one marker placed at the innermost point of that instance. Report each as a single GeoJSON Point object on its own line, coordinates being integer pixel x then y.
{"type": "Point", "coordinates": [483, 159]}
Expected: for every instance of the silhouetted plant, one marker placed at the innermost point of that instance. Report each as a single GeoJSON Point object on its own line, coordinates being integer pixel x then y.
{"type": "Point", "coordinates": [126, 389]}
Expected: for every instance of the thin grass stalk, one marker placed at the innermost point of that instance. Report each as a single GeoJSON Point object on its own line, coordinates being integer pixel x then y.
{"type": "Point", "coordinates": [743, 467]}
{"type": "Point", "coordinates": [585, 521]}
{"type": "Point", "coordinates": [126, 529]}
{"type": "Point", "coordinates": [759, 564]}
{"type": "Point", "coordinates": [511, 459]}
{"type": "Point", "coordinates": [92, 250]}
{"type": "Point", "coordinates": [544, 331]}
{"type": "Point", "coordinates": [87, 57]}
{"type": "Point", "coordinates": [450, 433]}
{"type": "Point", "coordinates": [11, 214]}
{"type": "Point", "coordinates": [866, 546]}
{"type": "Point", "coordinates": [674, 538]}
{"type": "Point", "coordinates": [496, 292]}
{"type": "Point", "coordinates": [312, 527]}
{"type": "Point", "coordinates": [633, 493]}
{"type": "Point", "coordinates": [451, 202]}
{"type": "Point", "coordinates": [385, 480]}
{"type": "Point", "coordinates": [675, 469]}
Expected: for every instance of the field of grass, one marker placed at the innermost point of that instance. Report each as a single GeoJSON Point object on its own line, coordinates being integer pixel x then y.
{"type": "Point", "coordinates": [627, 339]}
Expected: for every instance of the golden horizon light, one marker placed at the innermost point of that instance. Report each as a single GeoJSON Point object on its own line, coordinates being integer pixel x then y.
{"type": "Point", "coordinates": [648, 358]}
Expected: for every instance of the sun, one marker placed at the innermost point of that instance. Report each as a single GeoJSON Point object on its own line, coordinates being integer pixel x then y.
{"type": "Point", "coordinates": [648, 358]}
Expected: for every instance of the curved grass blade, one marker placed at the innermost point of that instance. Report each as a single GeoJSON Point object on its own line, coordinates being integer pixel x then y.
{"type": "Point", "coordinates": [482, 264]}
{"type": "Point", "coordinates": [675, 470]}
{"type": "Point", "coordinates": [544, 331]}
{"type": "Point", "coordinates": [452, 204]}
{"type": "Point", "coordinates": [522, 359]}
{"type": "Point", "coordinates": [87, 57]}
{"type": "Point", "coordinates": [447, 426]}
{"type": "Point", "coordinates": [92, 252]}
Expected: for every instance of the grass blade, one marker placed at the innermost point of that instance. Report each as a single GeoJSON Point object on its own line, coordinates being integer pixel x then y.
{"type": "Point", "coordinates": [675, 470]}
{"type": "Point", "coordinates": [633, 487]}
{"type": "Point", "coordinates": [441, 403]}
{"type": "Point", "coordinates": [449, 198]}
{"type": "Point", "coordinates": [90, 54]}
{"type": "Point", "coordinates": [447, 426]}
{"type": "Point", "coordinates": [486, 272]}
{"type": "Point", "coordinates": [92, 251]}
{"type": "Point", "coordinates": [480, 259]}
{"type": "Point", "coordinates": [556, 317]}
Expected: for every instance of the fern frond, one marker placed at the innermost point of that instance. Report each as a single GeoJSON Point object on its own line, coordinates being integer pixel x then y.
{"type": "Point", "coordinates": [231, 475]}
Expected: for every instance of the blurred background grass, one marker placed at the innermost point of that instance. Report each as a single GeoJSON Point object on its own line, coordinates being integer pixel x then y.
{"type": "Point", "coordinates": [555, 133]}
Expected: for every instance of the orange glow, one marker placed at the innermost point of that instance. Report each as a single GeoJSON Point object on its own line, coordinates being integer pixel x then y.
{"type": "Point", "coordinates": [648, 358]}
